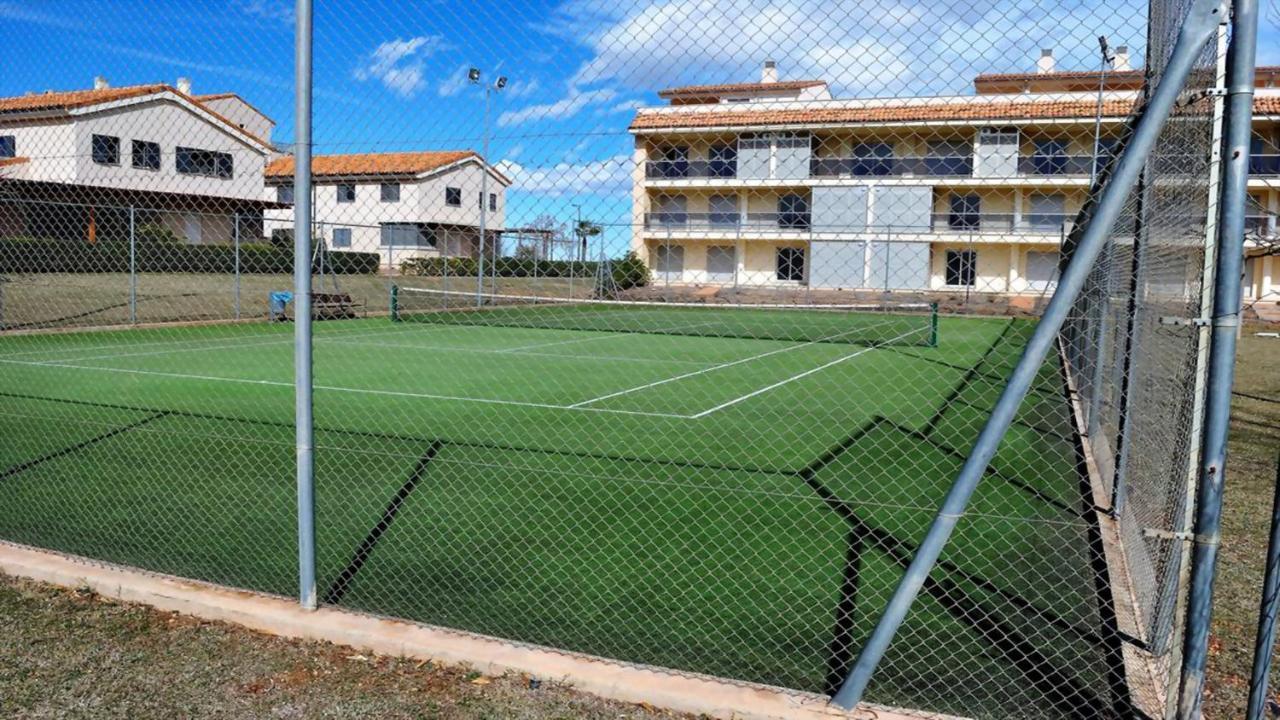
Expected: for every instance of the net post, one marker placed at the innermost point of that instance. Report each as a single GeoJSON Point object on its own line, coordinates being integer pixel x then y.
{"type": "Point", "coordinates": [133, 267]}
{"type": "Point", "coordinates": [393, 302]}
{"type": "Point", "coordinates": [1198, 29]}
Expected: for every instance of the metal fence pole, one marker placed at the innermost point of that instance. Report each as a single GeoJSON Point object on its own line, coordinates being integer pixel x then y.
{"type": "Point", "coordinates": [305, 445]}
{"type": "Point", "coordinates": [1201, 22]}
{"type": "Point", "coordinates": [1268, 612]}
{"type": "Point", "coordinates": [235, 235]}
{"type": "Point", "coordinates": [1241, 58]}
{"type": "Point", "coordinates": [133, 267]}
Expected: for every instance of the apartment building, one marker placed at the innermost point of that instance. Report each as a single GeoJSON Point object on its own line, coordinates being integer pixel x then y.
{"type": "Point", "coordinates": [778, 183]}
{"type": "Point", "coordinates": [86, 163]}
{"type": "Point", "coordinates": [400, 205]}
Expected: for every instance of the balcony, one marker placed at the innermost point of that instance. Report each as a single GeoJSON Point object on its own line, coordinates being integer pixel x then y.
{"type": "Point", "coordinates": [1056, 225]}
{"type": "Point", "coordinates": [1057, 165]}
{"type": "Point", "coordinates": [1264, 165]}
{"type": "Point", "coordinates": [1260, 226]}
{"type": "Point", "coordinates": [930, 166]}
{"type": "Point", "coordinates": [681, 169]}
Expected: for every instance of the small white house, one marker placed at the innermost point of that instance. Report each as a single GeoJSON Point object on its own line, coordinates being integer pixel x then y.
{"type": "Point", "coordinates": [400, 205]}
{"type": "Point", "coordinates": [83, 160]}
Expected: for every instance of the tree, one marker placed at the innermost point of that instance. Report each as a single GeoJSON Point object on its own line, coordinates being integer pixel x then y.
{"type": "Point", "coordinates": [551, 232]}
{"type": "Point", "coordinates": [585, 229]}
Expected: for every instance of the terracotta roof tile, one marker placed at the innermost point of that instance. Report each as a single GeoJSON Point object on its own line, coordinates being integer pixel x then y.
{"type": "Point", "coordinates": [739, 87]}
{"type": "Point", "coordinates": [400, 163]}
{"type": "Point", "coordinates": [74, 99]}
{"type": "Point", "coordinates": [938, 112]}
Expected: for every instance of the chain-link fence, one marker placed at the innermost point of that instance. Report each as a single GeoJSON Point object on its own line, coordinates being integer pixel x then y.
{"type": "Point", "coordinates": [657, 332]}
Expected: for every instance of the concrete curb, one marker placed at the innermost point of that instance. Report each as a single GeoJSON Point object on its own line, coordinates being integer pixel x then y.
{"type": "Point", "coordinates": [278, 616]}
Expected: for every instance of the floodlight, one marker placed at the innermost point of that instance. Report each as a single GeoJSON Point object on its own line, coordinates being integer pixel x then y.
{"type": "Point", "coordinates": [501, 82]}
{"type": "Point", "coordinates": [474, 75]}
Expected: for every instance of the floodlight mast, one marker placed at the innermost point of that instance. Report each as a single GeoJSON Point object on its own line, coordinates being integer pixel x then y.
{"type": "Point", "coordinates": [473, 76]}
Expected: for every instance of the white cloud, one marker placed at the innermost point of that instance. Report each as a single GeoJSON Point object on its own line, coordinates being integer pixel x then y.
{"type": "Point", "coordinates": [398, 64]}
{"type": "Point", "coordinates": [887, 47]}
{"type": "Point", "coordinates": [522, 88]}
{"type": "Point", "coordinates": [626, 106]}
{"type": "Point", "coordinates": [455, 82]}
{"type": "Point", "coordinates": [571, 104]}
{"type": "Point", "coordinates": [274, 10]}
{"type": "Point", "coordinates": [609, 176]}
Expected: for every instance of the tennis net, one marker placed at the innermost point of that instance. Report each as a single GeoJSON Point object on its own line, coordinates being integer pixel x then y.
{"type": "Point", "coordinates": [855, 324]}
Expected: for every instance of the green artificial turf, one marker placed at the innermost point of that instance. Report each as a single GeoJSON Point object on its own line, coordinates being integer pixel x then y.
{"type": "Point", "coordinates": [579, 488]}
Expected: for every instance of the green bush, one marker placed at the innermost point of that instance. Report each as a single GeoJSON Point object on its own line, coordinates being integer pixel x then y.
{"type": "Point", "coordinates": [630, 272]}
{"type": "Point", "coordinates": [505, 267]}
{"type": "Point", "coordinates": [156, 252]}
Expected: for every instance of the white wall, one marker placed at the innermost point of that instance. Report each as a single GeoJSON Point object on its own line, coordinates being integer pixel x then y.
{"type": "Point", "coordinates": [49, 145]}
{"type": "Point", "coordinates": [169, 124]}
{"type": "Point", "coordinates": [243, 114]}
{"type": "Point", "coordinates": [468, 178]}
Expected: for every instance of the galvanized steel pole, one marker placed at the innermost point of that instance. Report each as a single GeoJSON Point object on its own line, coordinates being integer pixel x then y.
{"type": "Point", "coordinates": [305, 445]}
{"type": "Point", "coordinates": [1199, 28]}
{"type": "Point", "coordinates": [1225, 323]}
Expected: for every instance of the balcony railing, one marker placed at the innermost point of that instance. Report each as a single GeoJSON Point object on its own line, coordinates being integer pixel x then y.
{"type": "Point", "coordinates": [1051, 165]}
{"type": "Point", "coordinates": [932, 166]}
{"type": "Point", "coordinates": [940, 223]}
{"type": "Point", "coordinates": [1261, 225]}
{"type": "Point", "coordinates": [679, 169]}
{"type": "Point", "coordinates": [1264, 165]}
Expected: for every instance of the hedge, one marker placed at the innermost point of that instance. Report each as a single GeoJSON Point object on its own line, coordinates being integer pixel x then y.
{"type": "Point", "coordinates": [506, 267]}
{"type": "Point", "coordinates": [27, 255]}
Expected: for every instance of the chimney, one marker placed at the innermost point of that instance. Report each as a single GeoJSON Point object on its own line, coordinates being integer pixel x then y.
{"type": "Point", "coordinates": [1044, 65]}
{"type": "Point", "coordinates": [1120, 60]}
{"type": "Point", "coordinates": [184, 85]}
{"type": "Point", "coordinates": [770, 72]}
{"type": "Point", "coordinates": [100, 83]}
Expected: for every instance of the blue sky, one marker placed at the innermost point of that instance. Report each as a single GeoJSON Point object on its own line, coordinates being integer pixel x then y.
{"type": "Point", "coordinates": [390, 74]}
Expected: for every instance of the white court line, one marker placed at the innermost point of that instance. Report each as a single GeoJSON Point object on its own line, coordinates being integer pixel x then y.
{"type": "Point", "coordinates": [793, 378]}
{"type": "Point", "coordinates": [335, 388]}
{"type": "Point", "coordinates": [713, 368]}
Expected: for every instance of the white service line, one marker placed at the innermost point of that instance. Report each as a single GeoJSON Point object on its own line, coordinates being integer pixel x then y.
{"type": "Point", "coordinates": [713, 368]}
{"type": "Point", "coordinates": [793, 378]}
{"type": "Point", "coordinates": [334, 388]}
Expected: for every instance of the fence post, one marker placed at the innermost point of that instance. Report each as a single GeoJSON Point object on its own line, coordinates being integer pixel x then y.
{"type": "Point", "coordinates": [235, 234]}
{"type": "Point", "coordinates": [133, 268]}
{"type": "Point", "coordinates": [305, 444]}
{"type": "Point", "coordinates": [1241, 56]}
{"type": "Point", "coordinates": [1197, 30]}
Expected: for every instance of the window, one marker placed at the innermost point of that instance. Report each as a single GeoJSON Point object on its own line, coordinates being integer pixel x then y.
{"type": "Point", "coordinates": [106, 149]}
{"type": "Point", "coordinates": [793, 212]}
{"type": "Point", "coordinates": [390, 192]}
{"type": "Point", "coordinates": [722, 161]}
{"type": "Point", "coordinates": [284, 194]}
{"type": "Point", "coordinates": [1050, 157]}
{"type": "Point", "coordinates": [673, 161]}
{"type": "Point", "coordinates": [341, 238]}
{"type": "Point", "coordinates": [671, 210]}
{"type": "Point", "coordinates": [453, 196]}
{"type": "Point", "coordinates": [346, 192]}
{"type": "Point", "coordinates": [966, 212]}
{"type": "Point", "coordinates": [961, 267]}
{"type": "Point", "coordinates": [724, 210]}
{"type": "Point", "coordinates": [790, 263]}
{"type": "Point", "coordinates": [192, 161]}
{"type": "Point", "coordinates": [949, 157]}
{"type": "Point", "coordinates": [406, 235]}
{"type": "Point", "coordinates": [146, 155]}
{"type": "Point", "coordinates": [873, 158]}
{"type": "Point", "coordinates": [493, 202]}
{"type": "Point", "coordinates": [8, 146]}
{"type": "Point", "coordinates": [1048, 211]}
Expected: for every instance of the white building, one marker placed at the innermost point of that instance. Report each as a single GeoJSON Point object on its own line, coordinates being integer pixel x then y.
{"type": "Point", "coordinates": [778, 184]}
{"type": "Point", "coordinates": [82, 160]}
{"type": "Point", "coordinates": [400, 205]}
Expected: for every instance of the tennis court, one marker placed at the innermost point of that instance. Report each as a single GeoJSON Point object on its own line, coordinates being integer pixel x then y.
{"type": "Point", "coordinates": [724, 490]}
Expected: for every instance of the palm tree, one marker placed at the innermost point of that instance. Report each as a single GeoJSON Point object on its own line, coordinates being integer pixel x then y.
{"type": "Point", "coordinates": [585, 229]}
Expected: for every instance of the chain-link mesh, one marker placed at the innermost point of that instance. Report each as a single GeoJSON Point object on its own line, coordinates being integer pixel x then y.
{"type": "Point", "coordinates": [653, 331]}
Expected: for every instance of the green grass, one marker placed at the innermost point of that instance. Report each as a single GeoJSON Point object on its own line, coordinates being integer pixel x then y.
{"type": "Point", "coordinates": [726, 543]}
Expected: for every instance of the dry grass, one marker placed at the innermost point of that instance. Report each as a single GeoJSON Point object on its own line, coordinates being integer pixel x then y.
{"type": "Point", "coordinates": [69, 654]}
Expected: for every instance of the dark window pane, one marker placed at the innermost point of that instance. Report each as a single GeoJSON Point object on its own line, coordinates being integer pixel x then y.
{"type": "Point", "coordinates": [453, 196]}
{"type": "Point", "coordinates": [8, 146]}
{"type": "Point", "coordinates": [106, 150]}
{"type": "Point", "coordinates": [961, 267]}
{"type": "Point", "coordinates": [146, 155]}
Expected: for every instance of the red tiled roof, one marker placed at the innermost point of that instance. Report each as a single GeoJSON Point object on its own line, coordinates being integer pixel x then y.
{"type": "Point", "coordinates": [937, 112]}
{"type": "Point", "coordinates": [739, 87]}
{"type": "Point", "coordinates": [1084, 80]}
{"type": "Point", "coordinates": [399, 163]}
{"type": "Point", "coordinates": [75, 99]}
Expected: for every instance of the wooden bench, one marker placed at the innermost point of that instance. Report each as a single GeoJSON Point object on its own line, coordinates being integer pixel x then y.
{"type": "Point", "coordinates": [334, 306]}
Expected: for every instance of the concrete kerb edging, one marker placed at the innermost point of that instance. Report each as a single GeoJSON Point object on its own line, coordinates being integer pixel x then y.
{"type": "Point", "coordinates": [279, 616]}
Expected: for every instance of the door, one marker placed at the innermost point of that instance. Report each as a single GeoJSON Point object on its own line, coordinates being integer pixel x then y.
{"type": "Point", "coordinates": [997, 154]}
{"type": "Point", "coordinates": [668, 262]}
{"type": "Point", "coordinates": [1042, 271]}
{"type": "Point", "coordinates": [722, 262]}
{"type": "Point", "coordinates": [838, 265]}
